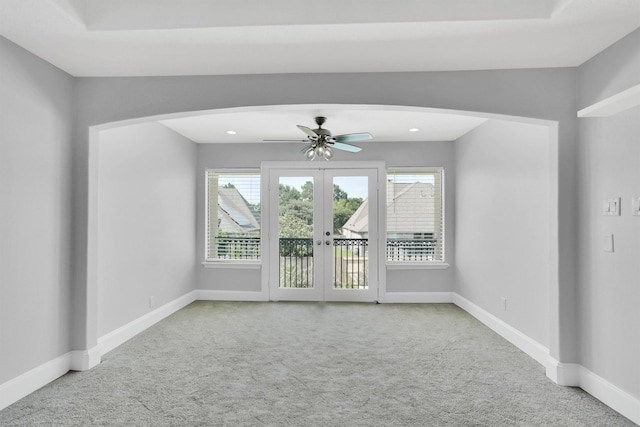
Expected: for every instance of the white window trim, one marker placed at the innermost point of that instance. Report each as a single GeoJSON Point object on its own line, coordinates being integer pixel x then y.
{"type": "Point", "coordinates": [421, 265]}
{"type": "Point", "coordinates": [428, 265]}
{"type": "Point", "coordinates": [228, 263]}
{"type": "Point", "coordinates": [233, 263]}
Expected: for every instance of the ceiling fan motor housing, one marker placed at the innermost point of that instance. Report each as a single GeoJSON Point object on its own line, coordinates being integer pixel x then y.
{"type": "Point", "coordinates": [322, 132]}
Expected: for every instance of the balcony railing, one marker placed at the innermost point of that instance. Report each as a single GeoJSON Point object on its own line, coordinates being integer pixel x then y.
{"type": "Point", "coordinates": [242, 248]}
{"type": "Point", "coordinates": [350, 257]}
{"type": "Point", "coordinates": [411, 249]}
{"type": "Point", "coordinates": [397, 249]}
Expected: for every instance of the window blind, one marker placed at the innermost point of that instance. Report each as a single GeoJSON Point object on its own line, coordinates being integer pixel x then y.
{"type": "Point", "coordinates": [233, 215]}
{"type": "Point", "coordinates": [415, 221]}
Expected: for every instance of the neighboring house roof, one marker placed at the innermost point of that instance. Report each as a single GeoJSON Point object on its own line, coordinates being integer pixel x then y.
{"type": "Point", "coordinates": [235, 215]}
{"type": "Point", "coordinates": [402, 203]}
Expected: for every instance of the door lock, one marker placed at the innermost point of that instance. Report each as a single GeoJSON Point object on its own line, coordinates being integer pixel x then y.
{"type": "Point", "coordinates": [328, 233]}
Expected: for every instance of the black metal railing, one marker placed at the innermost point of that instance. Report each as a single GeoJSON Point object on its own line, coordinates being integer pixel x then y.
{"type": "Point", "coordinates": [296, 262]}
{"type": "Point", "coordinates": [243, 248]}
{"type": "Point", "coordinates": [350, 257]}
{"type": "Point", "coordinates": [411, 249]}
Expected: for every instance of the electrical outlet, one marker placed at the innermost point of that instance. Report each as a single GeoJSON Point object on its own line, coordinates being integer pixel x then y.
{"type": "Point", "coordinates": [503, 300]}
{"type": "Point", "coordinates": [152, 302]}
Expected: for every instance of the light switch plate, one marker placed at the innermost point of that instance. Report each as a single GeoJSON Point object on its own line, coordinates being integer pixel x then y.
{"type": "Point", "coordinates": [611, 207]}
{"type": "Point", "coordinates": [635, 206]}
{"type": "Point", "coordinates": [607, 242]}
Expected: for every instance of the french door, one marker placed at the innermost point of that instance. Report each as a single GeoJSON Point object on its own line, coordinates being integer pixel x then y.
{"type": "Point", "coordinates": [323, 234]}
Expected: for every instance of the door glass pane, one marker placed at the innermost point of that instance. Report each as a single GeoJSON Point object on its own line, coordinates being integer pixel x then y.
{"type": "Point", "coordinates": [350, 232]}
{"type": "Point", "coordinates": [295, 232]}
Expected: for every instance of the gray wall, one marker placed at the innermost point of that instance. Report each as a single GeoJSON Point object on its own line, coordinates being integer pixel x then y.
{"type": "Point", "coordinates": [211, 156]}
{"type": "Point", "coordinates": [609, 291]}
{"type": "Point", "coordinates": [502, 221]}
{"type": "Point", "coordinates": [146, 229]}
{"type": "Point", "coordinates": [542, 94]}
{"type": "Point", "coordinates": [613, 70]}
{"type": "Point", "coordinates": [36, 129]}
{"type": "Point", "coordinates": [37, 105]}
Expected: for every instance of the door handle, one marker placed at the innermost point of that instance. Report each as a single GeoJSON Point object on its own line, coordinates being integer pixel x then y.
{"type": "Point", "coordinates": [328, 242]}
{"type": "Point", "coordinates": [319, 242]}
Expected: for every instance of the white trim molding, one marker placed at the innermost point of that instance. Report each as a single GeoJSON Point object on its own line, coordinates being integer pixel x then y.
{"type": "Point", "coordinates": [609, 394]}
{"type": "Point", "coordinates": [25, 384]}
{"type": "Point", "coordinates": [247, 265]}
{"type": "Point", "coordinates": [113, 339]}
{"type": "Point", "coordinates": [565, 374]}
{"type": "Point", "coordinates": [416, 297]}
{"type": "Point", "coordinates": [213, 295]}
{"type": "Point", "coordinates": [574, 375]}
{"type": "Point", "coordinates": [83, 360]}
{"type": "Point", "coordinates": [417, 265]}
{"type": "Point", "coordinates": [614, 104]}
{"type": "Point", "coordinates": [531, 347]}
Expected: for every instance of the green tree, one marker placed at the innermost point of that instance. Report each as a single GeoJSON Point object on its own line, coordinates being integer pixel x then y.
{"type": "Point", "coordinates": [293, 204]}
{"type": "Point", "coordinates": [287, 193]}
{"type": "Point", "coordinates": [307, 191]}
{"type": "Point", "coordinates": [343, 209]}
{"type": "Point", "coordinates": [339, 193]}
{"type": "Point", "coordinates": [293, 227]}
{"type": "Point", "coordinates": [296, 210]}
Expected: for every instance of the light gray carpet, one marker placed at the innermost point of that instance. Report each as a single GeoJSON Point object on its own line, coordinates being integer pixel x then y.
{"type": "Point", "coordinates": [313, 364]}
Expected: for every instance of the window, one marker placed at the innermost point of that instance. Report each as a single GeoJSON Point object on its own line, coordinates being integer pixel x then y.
{"type": "Point", "coordinates": [233, 215]}
{"type": "Point", "coordinates": [415, 222]}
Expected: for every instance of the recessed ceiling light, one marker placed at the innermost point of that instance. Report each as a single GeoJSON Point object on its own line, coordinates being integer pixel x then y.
{"type": "Point", "coordinates": [231, 132]}
{"type": "Point", "coordinates": [414, 130]}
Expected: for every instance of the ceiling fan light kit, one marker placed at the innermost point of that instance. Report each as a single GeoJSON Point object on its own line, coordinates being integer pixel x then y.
{"type": "Point", "coordinates": [323, 143]}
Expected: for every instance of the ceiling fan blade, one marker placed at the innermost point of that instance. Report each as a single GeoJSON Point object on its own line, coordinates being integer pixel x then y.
{"type": "Point", "coordinates": [353, 137]}
{"type": "Point", "coordinates": [310, 133]}
{"type": "Point", "coordinates": [346, 147]}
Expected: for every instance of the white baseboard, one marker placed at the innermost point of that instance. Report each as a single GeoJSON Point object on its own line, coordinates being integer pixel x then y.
{"type": "Point", "coordinates": [212, 295]}
{"type": "Point", "coordinates": [85, 359]}
{"type": "Point", "coordinates": [25, 384]}
{"type": "Point", "coordinates": [416, 297]}
{"type": "Point", "coordinates": [113, 339]}
{"type": "Point", "coordinates": [609, 394]}
{"type": "Point", "coordinates": [567, 374]}
{"type": "Point", "coordinates": [531, 347]}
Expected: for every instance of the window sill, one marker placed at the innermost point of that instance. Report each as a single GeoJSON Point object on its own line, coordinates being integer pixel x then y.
{"type": "Point", "coordinates": [417, 265]}
{"type": "Point", "coordinates": [246, 265]}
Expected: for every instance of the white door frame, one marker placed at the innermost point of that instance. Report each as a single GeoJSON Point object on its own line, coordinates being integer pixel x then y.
{"type": "Point", "coordinates": [266, 172]}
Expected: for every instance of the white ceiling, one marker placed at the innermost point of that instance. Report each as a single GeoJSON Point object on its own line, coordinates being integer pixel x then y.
{"type": "Point", "coordinates": [385, 124]}
{"type": "Point", "coordinates": [208, 37]}
{"type": "Point", "coordinates": [203, 37]}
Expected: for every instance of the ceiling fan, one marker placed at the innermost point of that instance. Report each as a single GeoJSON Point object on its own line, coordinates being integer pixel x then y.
{"type": "Point", "coordinates": [322, 143]}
